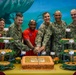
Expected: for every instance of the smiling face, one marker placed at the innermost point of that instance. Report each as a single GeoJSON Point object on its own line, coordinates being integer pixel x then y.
{"type": "Point", "coordinates": [46, 17]}
{"type": "Point", "coordinates": [19, 21]}
{"type": "Point", "coordinates": [73, 14]}
{"type": "Point", "coordinates": [57, 16]}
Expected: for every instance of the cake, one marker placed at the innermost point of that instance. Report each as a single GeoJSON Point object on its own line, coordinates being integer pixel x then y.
{"type": "Point", "coordinates": [37, 62]}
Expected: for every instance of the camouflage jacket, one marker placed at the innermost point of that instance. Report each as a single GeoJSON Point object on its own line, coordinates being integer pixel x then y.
{"type": "Point", "coordinates": [72, 27]}
{"type": "Point", "coordinates": [72, 34]}
{"type": "Point", "coordinates": [41, 34]}
{"type": "Point", "coordinates": [57, 32]}
{"type": "Point", "coordinates": [16, 34]}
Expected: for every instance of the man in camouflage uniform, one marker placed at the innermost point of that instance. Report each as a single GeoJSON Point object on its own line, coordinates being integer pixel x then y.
{"type": "Point", "coordinates": [57, 32]}
{"type": "Point", "coordinates": [16, 33]}
{"type": "Point", "coordinates": [41, 34]}
{"type": "Point", "coordinates": [72, 26]}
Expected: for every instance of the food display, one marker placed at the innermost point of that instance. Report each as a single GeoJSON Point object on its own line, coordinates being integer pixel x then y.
{"type": "Point", "coordinates": [68, 53]}
{"type": "Point", "coordinates": [37, 62]}
{"type": "Point", "coordinates": [5, 64]}
{"type": "Point", "coordinates": [5, 50]}
{"type": "Point", "coordinates": [6, 55]}
{"type": "Point", "coordinates": [69, 65]}
{"type": "Point", "coordinates": [6, 39]}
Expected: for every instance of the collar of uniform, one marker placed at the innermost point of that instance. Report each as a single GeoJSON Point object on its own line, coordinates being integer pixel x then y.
{"type": "Point", "coordinates": [74, 23]}
{"type": "Point", "coordinates": [57, 23]}
{"type": "Point", "coordinates": [46, 24]}
{"type": "Point", "coordinates": [17, 27]}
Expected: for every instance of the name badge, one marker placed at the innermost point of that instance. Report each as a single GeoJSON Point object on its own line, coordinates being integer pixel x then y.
{"type": "Point", "coordinates": [71, 52]}
{"type": "Point", "coordinates": [6, 41]}
{"type": "Point", "coordinates": [71, 41]}
{"type": "Point", "coordinates": [68, 30]}
{"type": "Point", "coordinates": [3, 52]}
{"type": "Point", "coordinates": [52, 53]}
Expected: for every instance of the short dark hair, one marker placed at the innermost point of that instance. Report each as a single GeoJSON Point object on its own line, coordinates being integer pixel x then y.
{"type": "Point", "coordinates": [19, 14]}
{"type": "Point", "coordinates": [45, 13]}
{"type": "Point", "coordinates": [2, 19]}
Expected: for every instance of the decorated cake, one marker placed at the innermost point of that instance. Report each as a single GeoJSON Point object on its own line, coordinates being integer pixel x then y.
{"type": "Point", "coordinates": [37, 62]}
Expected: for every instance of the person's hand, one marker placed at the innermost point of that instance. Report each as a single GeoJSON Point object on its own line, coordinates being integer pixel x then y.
{"type": "Point", "coordinates": [36, 50]}
{"type": "Point", "coordinates": [42, 48]}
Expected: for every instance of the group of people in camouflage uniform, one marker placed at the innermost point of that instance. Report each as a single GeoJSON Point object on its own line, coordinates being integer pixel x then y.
{"type": "Point", "coordinates": [48, 36]}
{"type": "Point", "coordinates": [54, 33]}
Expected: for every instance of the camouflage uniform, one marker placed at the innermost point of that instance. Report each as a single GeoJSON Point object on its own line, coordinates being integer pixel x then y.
{"type": "Point", "coordinates": [57, 32]}
{"type": "Point", "coordinates": [73, 30]}
{"type": "Point", "coordinates": [41, 34]}
{"type": "Point", "coordinates": [72, 27]}
{"type": "Point", "coordinates": [17, 44]}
